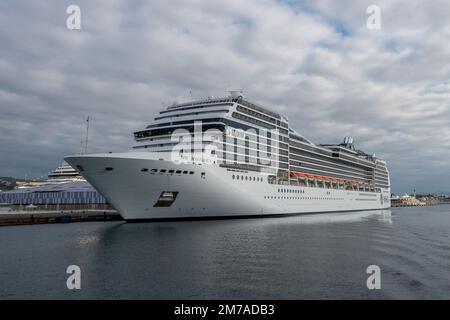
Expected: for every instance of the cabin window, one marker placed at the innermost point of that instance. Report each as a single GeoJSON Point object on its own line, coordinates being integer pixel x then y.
{"type": "Point", "coordinates": [109, 169]}
{"type": "Point", "coordinates": [178, 172]}
{"type": "Point", "coordinates": [171, 171]}
{"type": "Point", "coordinates": [144, 170]}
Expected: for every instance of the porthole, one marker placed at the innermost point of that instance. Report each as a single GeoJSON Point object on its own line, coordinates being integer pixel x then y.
{"type": "Point", "coordinates": [144, 170]}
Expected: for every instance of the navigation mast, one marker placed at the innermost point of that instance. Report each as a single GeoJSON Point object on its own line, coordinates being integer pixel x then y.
{"type": "Point", "coordinates": [87, 136]}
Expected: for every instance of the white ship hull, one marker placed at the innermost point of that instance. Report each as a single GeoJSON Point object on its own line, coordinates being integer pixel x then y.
{"type": "Point", "coordinates": [139, 195]}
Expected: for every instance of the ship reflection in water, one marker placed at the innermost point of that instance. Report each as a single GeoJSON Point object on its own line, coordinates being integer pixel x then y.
{"type": "Point", "coordinates": [380, 215]}
{"type": "Point", "coordinates": [322, 256]}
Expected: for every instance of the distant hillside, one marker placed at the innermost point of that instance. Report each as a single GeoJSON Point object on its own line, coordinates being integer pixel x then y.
{"type": "Point", "coordinates": [7, 183]}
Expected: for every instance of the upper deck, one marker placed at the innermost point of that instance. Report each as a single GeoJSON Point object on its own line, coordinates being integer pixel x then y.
{"type": "Point", "coordinates": [294, 151]}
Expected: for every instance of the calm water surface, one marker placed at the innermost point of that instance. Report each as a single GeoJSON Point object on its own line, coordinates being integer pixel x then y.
{"type": "Point", "coordinates": [313, 257]}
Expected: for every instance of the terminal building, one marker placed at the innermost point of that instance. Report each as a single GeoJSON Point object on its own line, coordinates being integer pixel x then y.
{"type": "Point", "coordinates": [62, 196]}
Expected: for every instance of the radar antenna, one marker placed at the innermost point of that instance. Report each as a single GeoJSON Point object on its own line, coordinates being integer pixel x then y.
{"type": "Point", "coordinates": [236, 94]}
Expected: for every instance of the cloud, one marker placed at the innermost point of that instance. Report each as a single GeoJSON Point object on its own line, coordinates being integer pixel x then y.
{"type": "Point", "coordinates": [314, 61]}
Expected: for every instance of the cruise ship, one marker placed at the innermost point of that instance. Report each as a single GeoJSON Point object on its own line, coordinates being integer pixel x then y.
{"type": "Point", "coordinates": [229, 157]}
{"type": "Point", "coordinates": [64, 173]}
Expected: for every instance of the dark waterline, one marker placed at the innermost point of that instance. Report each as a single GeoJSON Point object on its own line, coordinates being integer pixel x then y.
{"type": "Point", "coordinates": [303, 257]}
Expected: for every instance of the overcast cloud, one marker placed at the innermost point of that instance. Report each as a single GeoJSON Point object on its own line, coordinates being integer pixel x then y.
{"type": "Point", "coordinates": [314, 61]}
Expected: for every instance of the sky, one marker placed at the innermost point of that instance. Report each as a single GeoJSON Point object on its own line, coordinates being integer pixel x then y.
{"type": "Point", "coordinates": [316, 62]}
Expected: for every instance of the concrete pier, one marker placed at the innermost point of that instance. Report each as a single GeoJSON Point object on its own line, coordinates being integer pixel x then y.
{"type": "Point", "coordinates": [41, 217]}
